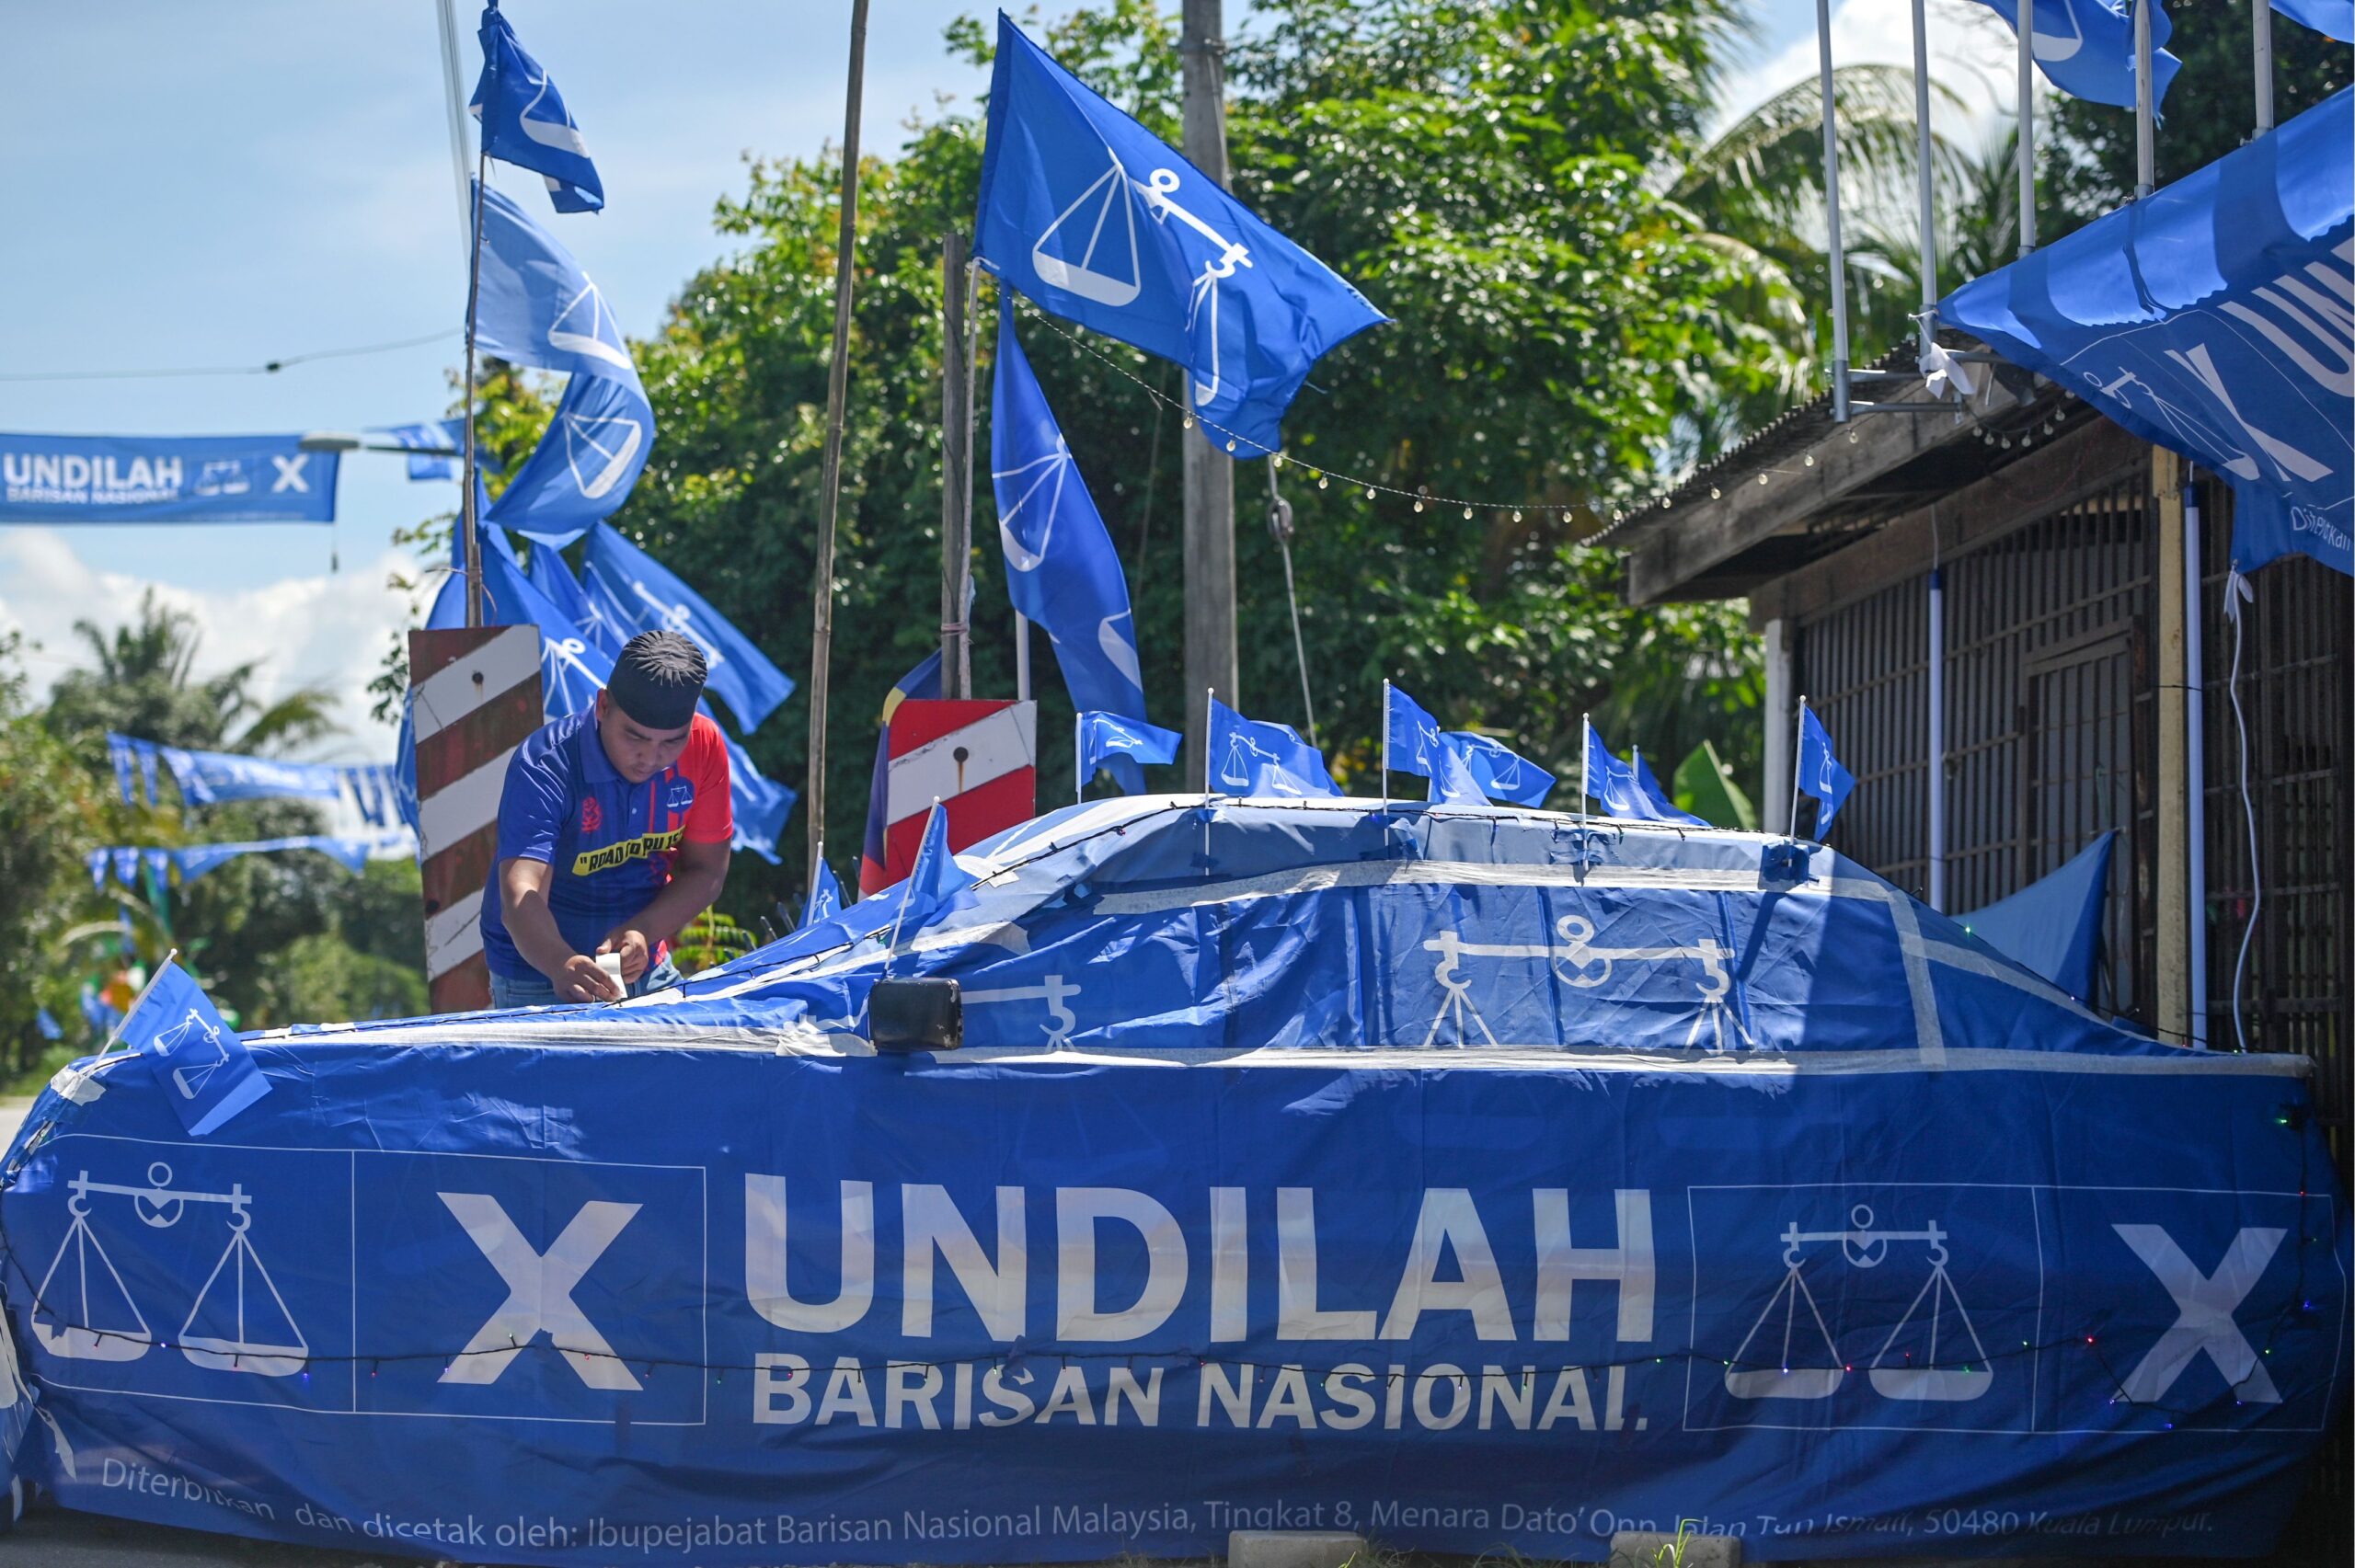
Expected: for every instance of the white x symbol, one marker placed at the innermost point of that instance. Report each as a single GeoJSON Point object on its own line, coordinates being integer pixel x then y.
{"type": "Point", "coordinates": [539, 1292]}
{"type": "Point", "coordinates": [290, 473]}
{"type": "Point", "coordinates": [2203, 1304]}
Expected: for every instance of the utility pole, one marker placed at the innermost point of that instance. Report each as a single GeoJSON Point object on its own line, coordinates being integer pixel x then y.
{"type": "Point", "coordinates": [956, 516]}
{"type": "Point", "coordinates": [1209, 475]}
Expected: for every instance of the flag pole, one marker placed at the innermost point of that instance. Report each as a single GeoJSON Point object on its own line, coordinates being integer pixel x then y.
{"type": "Point", "coordinates": [2026, 113]}
{"type": "Point", "coordinates": [956, 515]}
{"type": "Point", "coordinates": [830, 485]}
{"type": "Point", "coordinates": [122, 1023]}
{"type": "Point", "coordinates": [817, 864]}
{"type": "Point", "coordinates": [2260, 18]}
{"type": "Point", "coordinates": [471, 555]}
{"type": "Point", "coordinates": [1835, 253]}
{"type": "Point", "coordinates": [1792, 821]}
{"type": "Point", "coordinates": [1021, 657]}
{"type": "Point", "coordinates": [2145, 149]}
{"type": "Point", "coordinates": [908, 892]}
{"type": "Point", "coordinates": [1929, 222]}
{"type": "Point", "coordinates": [1209, 696]}
{"type": "Point", "coordinates": [1078, 756]}
{"type": "Point", "coordinates": [1586, 753]}
{"type": "Point", "coordinates": [1385, 744]}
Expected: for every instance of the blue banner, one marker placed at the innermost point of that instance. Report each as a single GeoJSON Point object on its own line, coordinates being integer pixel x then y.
{"type": "Point", "coordinates": [164, 479]}
{"type": "Point", "coordinates": [199, 1063]}
{"type": "Point", "coordinates": [208, 778]}
{"type": "Point", "coordinates": [2212, 318]}
{"type": "Point", "coordinates": [1060, 569]}
{"type": "Point", "coordinates": [755, 1310]}
{"type": "Point", "coordinates": [353, 851]}
{"type": "Point", "coordinates": [1104, 223]}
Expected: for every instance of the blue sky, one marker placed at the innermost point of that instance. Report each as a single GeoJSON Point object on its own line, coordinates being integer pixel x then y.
{"type": "Point", "coordinates": [196, 185]}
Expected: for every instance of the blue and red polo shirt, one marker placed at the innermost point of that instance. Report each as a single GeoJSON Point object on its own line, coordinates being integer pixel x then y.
{"type": "Point", "coordinates": [609, 842]}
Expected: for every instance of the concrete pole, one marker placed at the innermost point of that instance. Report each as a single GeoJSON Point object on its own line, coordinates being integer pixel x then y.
{"type": "Point", "coordinates": [956, 516]}
{"type": "Point", "coordinates": [1836, 256]}
{"type": "Point", "coordinates": [2028, 125]}
{"type": "Point", "coordinates": [2261, 17]}
{"type": "Point", "coordinates": [1211, 659]}
{"type": "Point", "coordinates": [2145, 148]}
{"type": "Point", "coordinates": [2171, 1014]}
{"type": "Point", "coordinates": [1926, 194]}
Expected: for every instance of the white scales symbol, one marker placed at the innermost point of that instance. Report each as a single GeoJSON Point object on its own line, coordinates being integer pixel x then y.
{"type": "Point", "coordinates": [1081, 277]}
{"type": "Point", "coordinates": [1862, 1247]}
{"type": "Point", "coordinates": [680, 619]}
{"type": "Point", "coordinates": [1584, 966]}
{"type": "Point", "coordinates": [94, 1318]}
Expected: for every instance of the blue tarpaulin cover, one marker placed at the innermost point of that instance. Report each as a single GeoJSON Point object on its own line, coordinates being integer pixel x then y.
{"type": "Point", "coordinates": [2213, 319]}
{"type": "Point", "coordinates": [1474, 1178]}
{"type": "Point", "coordinates": [2054, 924]}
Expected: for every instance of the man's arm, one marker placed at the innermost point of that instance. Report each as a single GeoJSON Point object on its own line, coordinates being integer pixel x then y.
{"type": "Point", "coordinates": [531, 926]}
{"type": "Point", "coordinates": [697, 877]}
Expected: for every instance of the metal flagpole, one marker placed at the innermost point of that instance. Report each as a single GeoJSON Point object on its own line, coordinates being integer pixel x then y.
{"type": "Point", "coordinates": [2260, 18]}
{"type": "Point", "coordinates": [955, 513]}
{"type": "Point", "coordinates": [1021, 657]}
{"type": "Point", "coordinates": [1831, 217]}
{"type": "Point", "coordinates": [2145, 152]}
{"type": "Point", "coordinates": [1938, 695]}
{"type": "Point", "coordinates": [1385, 744]}
{"type": "Point", "coordinates": [455, 101]}
{"type": "Point", "coordinates": [1929, 238]}
{"type": "Point", "coordinates": [467, 507]}
{"type": "Point", "coordinates": [822, 631]}
{"type": "Point", "coordinates": [1210, 695]}
{"type": "Point", "coordinates": [124, 1022]}
{"type": "Point", "coordinates": [817, 864]}
{"type": "Point", "coordinates": [1586, 755]}
{"type": "Point", "coordinates": [1078, 759]}
{"type": "Point", "coordinates": [2195, 750]}
{"type": "Point", "coordinates": [2028, 125]}
{"type": "Point", "coordinates": [1798, 742]}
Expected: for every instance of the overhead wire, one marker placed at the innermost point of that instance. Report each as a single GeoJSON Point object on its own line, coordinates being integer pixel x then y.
{"type": "Point", "coordinates": [267, 367]}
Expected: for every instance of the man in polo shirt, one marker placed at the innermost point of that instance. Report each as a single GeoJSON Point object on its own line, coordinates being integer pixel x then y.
{"type": "Point", "coordinates": [613, 831]}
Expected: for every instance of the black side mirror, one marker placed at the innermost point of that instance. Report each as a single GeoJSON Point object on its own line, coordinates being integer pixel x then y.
{"type": "Point", "coordinates": [916, 1014]}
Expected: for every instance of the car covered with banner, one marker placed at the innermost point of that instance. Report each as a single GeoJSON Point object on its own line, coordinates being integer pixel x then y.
{"type": "Point", "coordinates": [1472, 1179]}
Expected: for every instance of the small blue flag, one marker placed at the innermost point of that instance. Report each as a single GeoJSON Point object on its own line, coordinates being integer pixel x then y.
{"type": "Point", "coordinates": [1255, 757]}
{"type": "Point", "coordinates": [1612, 781]}
{"type": "Point", "coordinates": [1416, 746]}
{"type": "Point", "coordinates": [434, 436]}
{"type": "Point", "coordinates": [586, 464]}
{"type": "Point", "coordinates": [1060, 569]}
{"type": "Point", "coordinates": [2332, 18]}
{"type": "Point", "coordinates": [1104, 223]}
{"type": "Point", "coordinates": [1664, 809]}
{"type": "Point", "coordinates": [1104, 737]}
{"type": "Point", "coordinates": [536, 306]}
{"type": "Point", "coordinates": [2085, 48]}
{"type": "Point", "coordinates": [825, 898]}
{"type": "Point", "coordinates": [1820, 773]}
{"type": "Point", "coordinates": [1503, 773]}
{"type": "Point", "coordinates": [525, 121]}
{"type": "Point", "coordinates": [636, 593]}
{"type": "Point", "coordinates": [199, 1061]}
{"type": "Point", "coordinates": [933, 883]}
{"type": "Point", "coordinates": [47, 1025]}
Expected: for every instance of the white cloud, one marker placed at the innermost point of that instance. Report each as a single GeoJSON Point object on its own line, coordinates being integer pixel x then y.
{"type": "Point", "coordinates": [329, 630]}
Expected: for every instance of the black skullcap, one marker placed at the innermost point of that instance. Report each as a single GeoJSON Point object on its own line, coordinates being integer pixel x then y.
{"type": "Point", "coordinates": [657, 680]}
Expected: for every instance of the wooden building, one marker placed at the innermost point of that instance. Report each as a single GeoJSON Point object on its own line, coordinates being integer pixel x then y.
{"type": "Point", "coordinates": [2086, 687]}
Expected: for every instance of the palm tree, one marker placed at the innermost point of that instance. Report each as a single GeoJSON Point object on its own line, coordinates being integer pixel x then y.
{"type": "Point", "coordinates": [145, 684]}
{"type": "Point", "coordinates": [1757, 188]}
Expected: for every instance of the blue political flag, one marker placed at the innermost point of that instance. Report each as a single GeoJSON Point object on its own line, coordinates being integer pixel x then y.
{"type": "Point", "coordinates": [1416, 746]}
{"type": "Point", "coordinates": [636, 593]}
{"type": "Point", "coordinates": [1664, 808]}
{"type": "Point", "coordinates": [920, 684]}
{"type": "Point", "coordinates": [536, 306]}
{"type": "Point", "coordinates": [1103, 738]}
{"type": "Point", "coordinates": [428, 438]}
{"type": "Point", "coordinates": [1103, 223]}
{"type": "Point", "coordinates": [1612, 781]}
{"type": "Point", "coordinates": [2085, 48]}
{"type": "Point", "coordinates": [2332, 18]}
{"type": "Point", "coordinates": [825, 898]}
{"type": "Point", "coordinates": [1060, 569]}
{"type": "Point", "coordinates": [2211, 318]}
{"type": "Point", "coordinates": [1821, 773]}
{"type": "Point", "coordinates": [49, 1027]}
{"type": "Point", "coordinates": [201, 1065]}
{"type": "Point", "coordinates": [1503, 773]}
{"type": "Point", "coordinates": [549, 573]}
{"type": "Point", "coordinates": [525, 121]}
{"type": "Point", "coordinates": [164, 479]}
{"type": "Point", "coordinates": [933, 883]}
{"type": "Point", "coordinates": [586, 464]}
{"type": "Point", "coordinates": [1260, 756]}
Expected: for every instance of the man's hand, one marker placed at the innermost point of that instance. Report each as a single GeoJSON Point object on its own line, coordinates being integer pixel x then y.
{"type": "Point", "coordinates": [582, 980]}
{"type": "Point", "coordinates": [635, 950]}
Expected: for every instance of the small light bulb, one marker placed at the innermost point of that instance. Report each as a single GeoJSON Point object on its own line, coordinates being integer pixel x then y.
{"type": "Point", "coordinates": [2005, 443]}
{"type": "Point", "coordinates": [1278, 459]}
{"type": "Point", "coordinates": [1190, 422]}
{"type": "Point", "coordinates": [1368, 492]}
{"type": "Point", "coordinates": [1516, 516]}
{"type": "Point", "coordinates": [1715, 494]}
{"type": "Point", "coordinates": [1467, 514]}
{"type": "Point", "coordinates": [1852, 438]}
{"type": "Point", "coordinates": [1762, 479]}
{"type": "Point", "coordinates": [1419, 506]}
{"type": "Point", "coordinates": [1663, 503]}
{"type": "Point", "coordinates": [1230, 446]}
{"type": "Point", "coordinates": [1323, 482]}
{"type": "Point", "coordinates": [1811, 460]}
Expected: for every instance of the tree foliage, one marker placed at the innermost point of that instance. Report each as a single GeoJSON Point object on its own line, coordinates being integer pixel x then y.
{"type": "Point", "coordinates": [1495, 177]}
